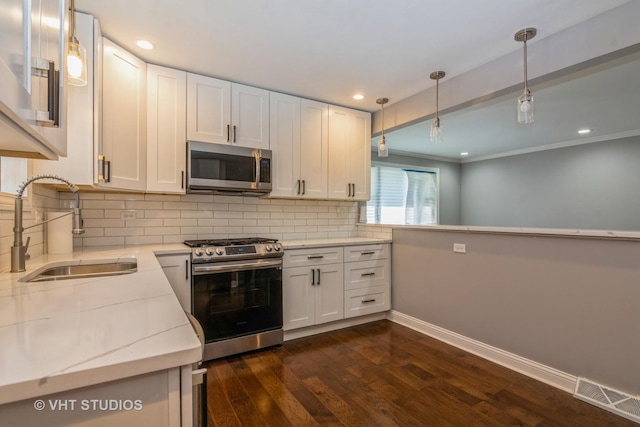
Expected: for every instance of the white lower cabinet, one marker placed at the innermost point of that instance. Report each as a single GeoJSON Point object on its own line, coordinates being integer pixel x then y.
{"type": "Point", "coordinates": [178, 272]}
{"type": "Point", "coordinates": [322, 285]}
{"type": "Point", "coordinates": [161, 398]}
{"type": "Point", "coordinates": [312, 295]}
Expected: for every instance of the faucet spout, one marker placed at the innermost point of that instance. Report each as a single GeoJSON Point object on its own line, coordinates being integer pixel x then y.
{"type": "Point", "coordinates": [19, 250]}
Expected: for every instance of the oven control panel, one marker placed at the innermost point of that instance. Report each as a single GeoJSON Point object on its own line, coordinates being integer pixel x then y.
{"type": "Point", "coordinates": [240, 250]}
{"type": "Point", "coordinates": [204, 254]}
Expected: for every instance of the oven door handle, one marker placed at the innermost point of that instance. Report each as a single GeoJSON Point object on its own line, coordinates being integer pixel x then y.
{"type": "Point", "coordinates": [227, 267]}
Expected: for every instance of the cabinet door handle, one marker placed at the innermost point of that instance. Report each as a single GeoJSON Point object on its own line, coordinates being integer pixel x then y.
{"type": "Point", "coordinates": [367, 274]}
{"type": "Point", "coordinates": [101, 167]}
{"type": "Point", "coordinates": [304, 187]}
{"type": "Point", "coordinates": [228, 133]}
{"type": "Point", "coordinates": [186, 269]}
{"type": "Point", "coordinates": [364, 301]}
{"type": "Point", "coordinates": [234, 133]}
{"type": "Point", "coordinates": [182, 181]}
{"type": "Point", "coordinates": [349, 190]}
{"type": "Point", "coordinates": [353, 192]}
{"type": "Point", "coordinates": [108, 170]}
{"type": "Point", "coordinates": [315, 257]}
{"type": "Point", "coordinates": [45, 68]}
{"type": "Point", "coordinates": [367, 253]}
{"type": "Point", "coordinates": [298, 192]}
{"type": "Point", "coordinates": [318, 281]}
{"type": "Point", "coordinates": [313, 277]}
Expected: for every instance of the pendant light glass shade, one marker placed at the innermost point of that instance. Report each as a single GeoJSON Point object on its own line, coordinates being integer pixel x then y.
{"type": "Point", "coordinates": [76, 64]}
{"type": "Point", "coordinates": [436, 131]}
{"type": "Point", "coordinates": [76, 54]}
{"type": "Point", "coordinates": [525, 100]}
{"type": "Point", "coordinates": [383, 150]}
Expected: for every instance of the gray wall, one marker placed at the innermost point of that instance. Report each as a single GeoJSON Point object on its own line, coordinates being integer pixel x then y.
{"type": "Point", "coordinates": [591, 186]}
{"type": "Point", "coordinates": [568, 303]}
{"type": "Point", "coordinates": [449, 182]}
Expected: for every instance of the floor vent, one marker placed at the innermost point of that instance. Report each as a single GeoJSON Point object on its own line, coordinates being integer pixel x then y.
{"type": "Point", "coordinates": [606, 398]}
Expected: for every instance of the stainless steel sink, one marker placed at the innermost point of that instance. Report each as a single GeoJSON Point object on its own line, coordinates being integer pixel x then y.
{"type": "Point", "coordinates": [78, 269]}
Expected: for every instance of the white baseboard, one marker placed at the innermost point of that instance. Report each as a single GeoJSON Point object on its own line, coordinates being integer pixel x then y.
{"type": "Point", "coordinates": [538, 371]}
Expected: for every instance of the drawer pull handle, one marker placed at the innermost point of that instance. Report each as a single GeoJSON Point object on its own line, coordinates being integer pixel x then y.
{"type": "Point", "coordinates": [368, 253]}
{"type": "Point", "coordinates": [315, 257]}
{"type": "Point", "coordinates": [364, 301]}
{"type": "Point", "coordinates": [368, 274]}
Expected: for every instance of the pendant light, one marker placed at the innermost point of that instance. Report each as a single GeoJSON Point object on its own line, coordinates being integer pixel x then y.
{"type": "Point", "coordinates": [525, 100]}
{"type": "Point", "coordinates": [383, 151]}
{"type": "Point", "coordinates": [436, 130]}
{"type": "Point", "coordinates": [76, 55]}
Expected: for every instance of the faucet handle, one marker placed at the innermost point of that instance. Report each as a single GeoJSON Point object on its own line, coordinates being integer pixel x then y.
{"type": "Point", "coordinates": [26, 248]}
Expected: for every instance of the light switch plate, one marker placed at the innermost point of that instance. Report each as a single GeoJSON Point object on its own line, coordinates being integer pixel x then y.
{"type": "Point", "coordinates": [460, 248]}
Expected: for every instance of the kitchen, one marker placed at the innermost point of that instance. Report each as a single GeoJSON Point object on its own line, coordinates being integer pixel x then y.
{"type": "Point", "coordinates": [151, 216]}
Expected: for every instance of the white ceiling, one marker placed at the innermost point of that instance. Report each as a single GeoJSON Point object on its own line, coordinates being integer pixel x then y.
{"type": "Point", "coordinates": [330, 49]}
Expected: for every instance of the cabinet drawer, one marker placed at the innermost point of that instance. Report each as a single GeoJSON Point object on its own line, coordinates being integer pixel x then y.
{"type": "Point", "coordinates": [374, 299]}
{"type": "Point", "coordinates": [366, 252]}
{"type": "Point", "coordinates": [310, 257]}
{"type": "Point", "coordinates": [367, 273]}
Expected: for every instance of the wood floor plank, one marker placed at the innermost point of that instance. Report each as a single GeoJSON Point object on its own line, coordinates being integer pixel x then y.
{"type": "Point", "coordinates": [384, 374]}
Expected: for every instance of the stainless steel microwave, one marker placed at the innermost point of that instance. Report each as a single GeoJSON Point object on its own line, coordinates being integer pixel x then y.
{"type": "Point", "coordinates": [221, 168]}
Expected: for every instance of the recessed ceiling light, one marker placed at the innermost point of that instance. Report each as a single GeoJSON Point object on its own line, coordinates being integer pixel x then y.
{"type": "Point", "coordinates": [584, 131]}
{"type": "Point", "coordinates": [143, 44]}
{"type": "Point", "coordinates": [358, 96]}
{"type": "Point", "coordinates": [464, 153]}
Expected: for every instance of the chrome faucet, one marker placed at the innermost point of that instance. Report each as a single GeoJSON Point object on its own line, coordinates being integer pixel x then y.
{"type": "Point", "coordinates": [19, 250]}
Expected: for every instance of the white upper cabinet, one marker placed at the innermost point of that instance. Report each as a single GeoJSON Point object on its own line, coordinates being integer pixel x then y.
{"type": "Point", "coordinates": [124, 115]}
{"type": "Point", "coordinates": [32, 78]}
{"type": "Point", "coordinates": [166, 129]}
{"type": "Point", "coordinates": [299, 133]}
{"type": "Point", "coordinates": [208, 109]}
{"type": "Point", "coordinates": [314, 137]}
{"type": "Point", "coordinates": [349, 154]}
{"type": "Point", "coordinates": [227, 113]}
{"type": "Point", "coordinates": [82, 138]}
{"type": "Point", "coordinates": [285, 145]}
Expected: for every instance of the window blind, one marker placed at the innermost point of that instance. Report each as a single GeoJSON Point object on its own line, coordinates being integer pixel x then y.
{"type": "Point", "coordinates": [402, 196]}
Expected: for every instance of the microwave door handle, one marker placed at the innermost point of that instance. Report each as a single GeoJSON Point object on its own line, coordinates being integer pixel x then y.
{"type": "Point", "coordinates": [257, 180]}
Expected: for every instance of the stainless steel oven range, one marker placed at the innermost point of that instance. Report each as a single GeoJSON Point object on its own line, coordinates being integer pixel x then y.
{"type": "Point", "coordinates": [236, 294]}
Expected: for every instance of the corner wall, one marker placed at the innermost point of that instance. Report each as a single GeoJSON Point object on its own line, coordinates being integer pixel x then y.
{"type": "Point", "coordinates": [567, 303]}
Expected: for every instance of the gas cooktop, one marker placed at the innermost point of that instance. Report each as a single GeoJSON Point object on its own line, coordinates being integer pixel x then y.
{"type": "Point", "coordinates": [229, 242]}
{"type": "Point", "coordinates": [218, 250]}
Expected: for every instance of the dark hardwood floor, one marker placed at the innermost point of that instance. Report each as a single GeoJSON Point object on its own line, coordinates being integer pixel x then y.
{"type": "Point", "coordinates": [383, 374]}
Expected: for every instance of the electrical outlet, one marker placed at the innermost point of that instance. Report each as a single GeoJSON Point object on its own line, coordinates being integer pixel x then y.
{"type": "Point", "coordinates": [460, 248]}
{"type": "Point", "coordinates": [128, 215]}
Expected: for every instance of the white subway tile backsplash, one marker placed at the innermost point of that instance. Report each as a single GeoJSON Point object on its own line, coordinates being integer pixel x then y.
{"type": "Point", "coordinates": [181, 206]}
{"type": "Point", "coordinates": [173, 218]}
{"type": "Point", "coordinates": [179, 222]}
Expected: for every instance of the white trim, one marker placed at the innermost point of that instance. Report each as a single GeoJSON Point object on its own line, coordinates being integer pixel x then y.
{"type": "Point", "coordinates": [333, 326]}
{"type": "Point", "coordinates": [530, 368]}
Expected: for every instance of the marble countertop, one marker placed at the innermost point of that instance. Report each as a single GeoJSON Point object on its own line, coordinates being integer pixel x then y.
{"type": "Point", "coordinates": [66, 334]}
{"type": "Point", "coordinates": [320, 243]}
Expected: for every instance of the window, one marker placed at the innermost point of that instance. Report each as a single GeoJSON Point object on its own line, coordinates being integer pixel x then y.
{"type": "Point", "coordinates": [403, 195]}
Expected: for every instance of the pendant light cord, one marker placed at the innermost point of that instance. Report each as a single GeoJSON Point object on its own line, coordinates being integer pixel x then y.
{"type": "Point", "coordinates": [526, 89]}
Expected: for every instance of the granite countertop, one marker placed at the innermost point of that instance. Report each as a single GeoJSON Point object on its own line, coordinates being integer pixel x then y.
{"type": "Point", "coordinates": [67, 334]}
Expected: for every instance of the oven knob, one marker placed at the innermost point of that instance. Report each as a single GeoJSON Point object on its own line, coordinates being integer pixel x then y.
{"type": "Point", "coordinates": [219, 251]}
{"type": "Point", "coordinates": [199, 251]}
{"type": "Point", "coordinates": [209, 251]}
{"type": "Point", "coordinates": [278, 247]}
{"type": "Point", "coordinates": [268, 248]}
